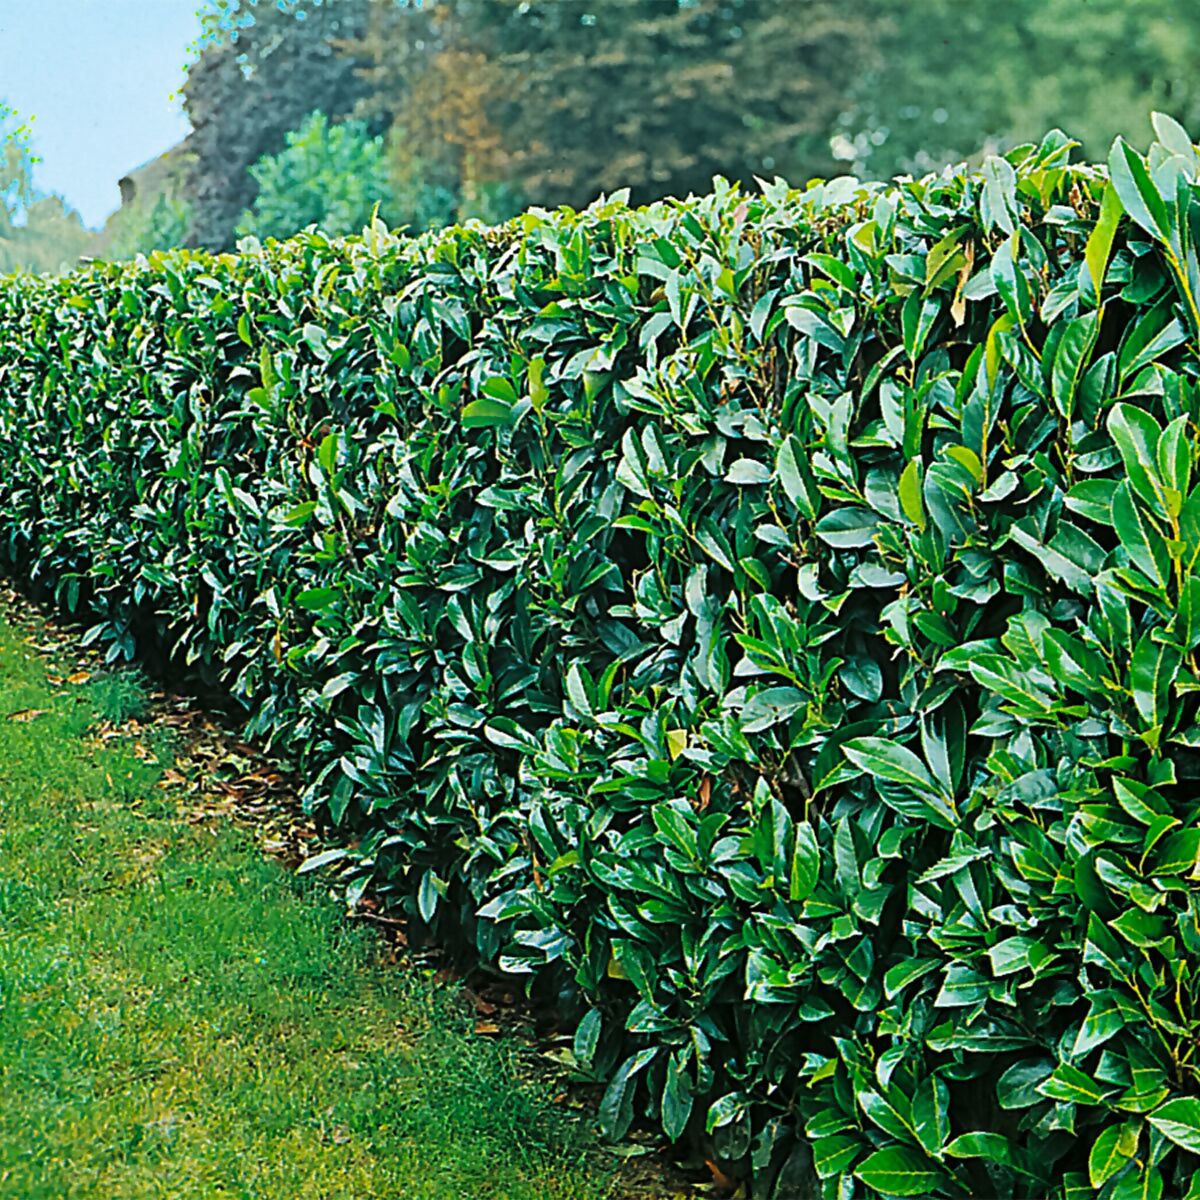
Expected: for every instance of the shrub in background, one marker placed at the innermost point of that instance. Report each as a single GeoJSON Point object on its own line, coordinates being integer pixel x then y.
{"type": "Point", "coordinates": [328, 175]}
{"type": "Point", "coordinates": [767, 621]}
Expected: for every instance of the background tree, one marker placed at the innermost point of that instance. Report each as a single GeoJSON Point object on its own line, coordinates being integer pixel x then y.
{"type": "Point", "coordinates": [433, 76]}
{"type": "Point", "coordinates": [660, 96]}
{"type": "Point", "coordinates": [954, 76]}
{"type": "Point", "coordinates": [563, 101]}
{"type": "Point", "coordinates": [329, 175]}
{"type": "Point", "coordinates": [156, 223]}
{"type": "Point", "coordinates": [260, 68]}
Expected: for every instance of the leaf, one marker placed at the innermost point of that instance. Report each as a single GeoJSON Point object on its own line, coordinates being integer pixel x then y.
{"type": "Point", "coordinates": [587, 1036]}
{"type": "Point", "coordinates": [1010, 280]}
{"type": "Point", "coordinates": [1092, 498]}
{"type": "Point", "coordinates": [948, 491]}
{"type": "Point", "coordinates": [998, 200]}
{"type": "Point", "coordinates": [746, 471]}
{"type": "Point", "coordinates": [848, 528]}
{"type": "Point", "coordinates": [1100, 240]}
{"type": "Point", "coordinates": [832, 1155]}
{"type": "Point", "coordinates": [428, 895]}
{"type": "Point", "coordinates": [1143, 1184]}
{"type": "Point", "coordinates": [884, 759]}
{"type": "Point", "coordinates": [318, 599]}
{"type": "Point", "coordinates": [485, 413]}
{"type": "Point", "coordinates": [1139, 197]}
{"type": "Point", "coordinates": [863, 678]}
{"type": "Point", "coordinates": [316, 339]}
{"type": "Point", "coordinates": [538, 392]}
{"type": "Point", "coordinates": [323, 859]}
{"type": "Point", "coordinates": [910, 494]}
{"type": "Point", "coordinates": [917, 319]}
{"type": "Point", "coordinates": [327, 453]}
{"type": "Point", "coordinates": [1071, 359]}
{"type": "Point", "coordinates": [1106, 1018]}
{"type": "Point", "coordinates": [1018, 1087]}
{"type": "Point", "coordinates": [1138, 536]}
{"type": "Point", "coordinates": [1179, 1121]}
{"type": "Point", "coordinates": [578, 692]}
{"type": "Point", "coordinates": [616, 1106]}
{"type": "Point", "coordinates": [300, 514]}
{"type": "Point", "coordinates": [676, 1100]}
{"type": "Point", "coordinates": [904, 973]}
{"type": "Point", "coordinates": [805, 871]}
{"type": "Point", "coordinates": [993, 1146]}
{"type": "Point", "coordinates": [499, 389]}
{"type": "Point", "coordinates": [1174, 457]}
{"type": "Point", "coordinates": [726, 1110]}
{"type": "Point", "coordinates": [1110, 1152]}
{"type": "Point", "coordinates": [931, 1114]}
{"type": "Point", "coordinates": [1149, 339]}
{"type": "Point", "coordinates": [770, 707]}
{"type": "Point", "coordinates": [1018, 953]}
{"type": "Point", "coordinates": [1137, 434]}
{"type": "Point", "coordinates": [1172, 135]}
{"type": "Point", "coordinates": [1179, 854]}
{"type": "Point", "coordinates": [631, 470]}
{"type": "Point", "coordinates": [1072, 1085]}
{"type": "Point", "coordinates": [25, 715]}
{"type": "Point", "coordinates": [796, 481]}
{"type": "Point", "coordinates": [1153, 670]}
{"type": "Point", "coordinates": [900, 1171]}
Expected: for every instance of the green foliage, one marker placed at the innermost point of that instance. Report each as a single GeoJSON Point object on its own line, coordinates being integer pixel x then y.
{"type": "Point", "coordinates": [181, 1019]}
{"type": "Point", "coordinates": [953, 77]}
{"type": "Point", "coordinates": [562, 102]}
{"type": "Point", "coordinates": [329, 175]}
{"type": "Point", "coordinates": [768, 622]}
{"type": "Point", "coordinates": [16, 167]}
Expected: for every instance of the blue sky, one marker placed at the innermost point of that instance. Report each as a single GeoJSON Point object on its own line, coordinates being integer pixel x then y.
{"type": "Point", "coordinates": [98, 77]}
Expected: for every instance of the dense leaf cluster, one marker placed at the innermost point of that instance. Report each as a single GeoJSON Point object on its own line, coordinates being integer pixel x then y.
{"type": "Point", "coordinates": [769, 620]}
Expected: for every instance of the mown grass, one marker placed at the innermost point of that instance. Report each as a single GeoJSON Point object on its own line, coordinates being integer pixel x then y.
{"type": "Point", "coordinates": [181, 1018]}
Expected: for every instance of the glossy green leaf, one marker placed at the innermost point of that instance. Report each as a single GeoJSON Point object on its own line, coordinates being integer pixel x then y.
{"type": "Point", "coordinates": [1179, 1121]}
{"type": "Point", "coordinates": [1139, 197]}
{"type": "Point", "coordinates": [900, 1171]}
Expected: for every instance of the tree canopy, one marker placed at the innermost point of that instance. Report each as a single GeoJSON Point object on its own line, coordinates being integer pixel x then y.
{"type": "Point", "coordinates": [953, 77]}
{"type": "Point", "coordinates": [564, 102]}
{"type": "Point", "coordinates": [488, 105]}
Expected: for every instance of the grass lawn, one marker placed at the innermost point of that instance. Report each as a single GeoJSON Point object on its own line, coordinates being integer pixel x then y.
{"type": "Point", "coordinates": [179, 1017]}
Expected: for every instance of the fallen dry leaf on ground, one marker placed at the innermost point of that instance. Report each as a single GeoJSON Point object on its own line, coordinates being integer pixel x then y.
{"type": "Point", "coordinates": [28, 714]}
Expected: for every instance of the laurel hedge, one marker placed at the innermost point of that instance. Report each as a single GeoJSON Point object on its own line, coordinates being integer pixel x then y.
{"type": "Point", "coordinates": [768, 622]}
